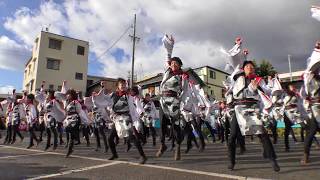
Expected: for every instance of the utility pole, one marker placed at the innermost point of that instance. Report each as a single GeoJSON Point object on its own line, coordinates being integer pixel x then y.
{"type": "Point", "coordinates": [134, 39]}
{"type": "Point", "coordinates": [289, 61]}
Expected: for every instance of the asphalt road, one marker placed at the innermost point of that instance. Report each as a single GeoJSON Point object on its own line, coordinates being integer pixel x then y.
{"type": "Point", "coordinates": [16, 162]}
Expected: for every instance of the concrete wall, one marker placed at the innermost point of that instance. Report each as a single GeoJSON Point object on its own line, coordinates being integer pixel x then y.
{"type": "Point", "coordinates": [70, 63]}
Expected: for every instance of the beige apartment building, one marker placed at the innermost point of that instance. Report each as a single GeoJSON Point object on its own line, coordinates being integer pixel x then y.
{"type": "Point", "coordinates": [212, 78]}
{"type": "Point", "coordinates": [56, 58]}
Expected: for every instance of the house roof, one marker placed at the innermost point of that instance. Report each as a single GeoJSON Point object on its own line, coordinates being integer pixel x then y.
{"type": "Point", "coordinates": [64, 36]}
{"type": "Point", "coordinates": [212, 68]}
{"type": "Point", "coordinates": [158, 78]}
{"type": "Point", "coordinates": [101, 77]}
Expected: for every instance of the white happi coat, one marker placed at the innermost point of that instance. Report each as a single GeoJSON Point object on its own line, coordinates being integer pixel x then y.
{"type": "Point", "coordinates": [150, 113]}
{"type": "Point", "coordinates": [291, 108]}
{"type": "Point", "coordinates": [31, 114]}
{"type": "Point", "coordinates": [123, 114]}
{"type": "Point", "coordinates": [248, 116]}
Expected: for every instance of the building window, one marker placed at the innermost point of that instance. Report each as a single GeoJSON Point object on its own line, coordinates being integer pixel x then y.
{"type": "Point", "coordinates": [29, 69]}
{"type": "Point", "coordinates": [80, 50]}
{"type": "Point", "coordinates": [212, 74]}
{"type": "Point", "coordinates": [55, 44]}
{"type": "Point", "coordinates": [51, 86]}
{"type": "Point", "coordinates": [89, 82]}
{"type": "Point", "coordinates": [59, 88]}
{"type": "Point", "coordinates": [79, 94]}
{"type": "Point", "coordinates": [53, 64]}
{"type": "Point", "coordinates": [79, 76]}
{"type": "Point", "coordinates": [31, 85]}
{"type": "Point", "coordinates": [36, 43]}
{"type": "Point", "coordinates": [34, 64]}
{"type": "Point", "coordinates": [223, 92]}
{"type": "Point", "coordinates": [211, 92]}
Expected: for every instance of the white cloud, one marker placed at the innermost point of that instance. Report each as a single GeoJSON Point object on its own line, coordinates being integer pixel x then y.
{"type": "Point", "coordinates": [5, 89]}
{"type": "Point", "coordinates": [27, 23]}
{"type": "Point", "coordinates": [271, 29]}
{"type": "Point", "coordinates": [12, 54]}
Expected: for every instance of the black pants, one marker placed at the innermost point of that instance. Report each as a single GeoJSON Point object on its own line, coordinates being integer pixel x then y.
{"type": "Point", "coordinates": [302, 131]}
{"type": "Point", "coordinates": [150, 130]}
{"type": "Point", "coordinates": [100, 130]}
{"type": "Point", "coordinates": [176, 131]}
{"type": "Point", "coordinates": [287, 131]}
{"type": "Point", "coordinates": [113, 135]}
{"type": "Point", "coordinates": [85, 133]}
{"type": "Point", "coordinates": [8, 134]}
{"type": "Point", "coordinates": [190, 134]}
{"type": "Point", "coordinates": [42, 128]}
{"type": "Point", "coordinates": [60, 131]}
{"type": "Point", "coordinates": [16, 131]}
{"type": "Point", "coordinates": [313, 128]}
{"type": "Point", "coordinates": [273, 127]}
{"type": "Point", "coordinates": [55, 136]}
{"type": "Point", "coordinates": [227, 129]}
{"type": "Point", "coordinates": [235, 130]}
{"type": "Point", "coordinates": [71, 136]}
{"type": "Point", "coordinates": [32, 134]}
{"type": "Point", "coordinates": [208, 125]}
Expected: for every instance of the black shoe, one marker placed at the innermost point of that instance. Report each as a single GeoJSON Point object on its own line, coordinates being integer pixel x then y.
{"type": "Point", "coordinates": [12, 142]}
{"type": "Point", "coordinates": [47, 147]}
{"type": "Point", "coordinates": [128, 147]}
{"type": "Point", "coordinates": [77, 143]}
{"type": "Point", "coordinates": [188, 149]}
{"type": "Point", "coordinates": [38, 142]}
{"type": "Point", "coordinates": [106, 149]}
{"type": "Point", "coordinates": [69, 153]}
{"type": "Point", "coordinates": [231, 166]}
{"type": "Point", "coordinates": [143, 160]}
{"type": "Point", "coordinates": [275, 165]}
{"type": "Point", "coordinates": [162, 149]}
{"type": "Point", "coordinates": [241, 152]}
{"type": "Point", "coordinates": [30, 145]}
{"type": "Point", "coordinates": [113, 157]}
{"type": "Point", "coordinates": [202, 147]}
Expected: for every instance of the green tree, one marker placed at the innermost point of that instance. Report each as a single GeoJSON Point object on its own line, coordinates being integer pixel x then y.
{"type": "Point", "coordinates": [265, 69]}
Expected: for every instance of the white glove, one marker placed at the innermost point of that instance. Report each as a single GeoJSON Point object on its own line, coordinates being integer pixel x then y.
{"type": "Point", "coordinates": [168, 43]}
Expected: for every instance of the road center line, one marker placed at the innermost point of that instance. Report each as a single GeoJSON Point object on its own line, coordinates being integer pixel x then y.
{"type": "Point", "coordinates": [24, 155]}
{"type": "Point", "coordinates": [74, 171]}
{"type": "Point", "coordinates": [130, 163]}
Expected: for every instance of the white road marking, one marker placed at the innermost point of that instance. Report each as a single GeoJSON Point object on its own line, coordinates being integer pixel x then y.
{"type": "Point", "coordinates": [130, 163]}
{"type": "Point", "coordinates": [74, 171]}
{"type": "Point", "coordinates": [23, 155]}
{"type": "Point", "coordinates": [189, 171]}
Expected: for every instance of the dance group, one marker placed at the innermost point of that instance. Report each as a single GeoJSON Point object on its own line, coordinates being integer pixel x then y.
{"type": "Point", "coordinates": [253, 106]}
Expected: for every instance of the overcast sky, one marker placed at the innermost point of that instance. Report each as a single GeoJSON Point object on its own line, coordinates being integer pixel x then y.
{"type": "Point", "coordinates": [270, 29]}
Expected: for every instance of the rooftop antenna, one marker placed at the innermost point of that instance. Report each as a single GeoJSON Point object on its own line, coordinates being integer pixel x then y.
{"type": "Point", "coordinates": [47, 28]}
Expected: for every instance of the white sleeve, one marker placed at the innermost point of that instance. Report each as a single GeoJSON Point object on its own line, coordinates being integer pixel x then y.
{"type": "Point", "coordinates": [139, 107]}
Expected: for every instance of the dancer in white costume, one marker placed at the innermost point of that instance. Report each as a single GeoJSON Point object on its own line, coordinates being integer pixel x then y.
{"type": "Point", "coordinates": [123, 114]}
{"type": "Point", "coordinates": [312, 90]}
{"type": "Point", "coordinates": [173, 88]}
{"type": "Point", "coordinates": [247, 92]}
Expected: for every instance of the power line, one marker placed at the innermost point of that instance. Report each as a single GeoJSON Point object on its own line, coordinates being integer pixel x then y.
{"type": "Point", "coordinates": [113, 44]}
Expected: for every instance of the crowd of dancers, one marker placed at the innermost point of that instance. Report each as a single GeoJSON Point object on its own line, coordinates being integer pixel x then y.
{"type": "Point", "coordinates": [253, 106]}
